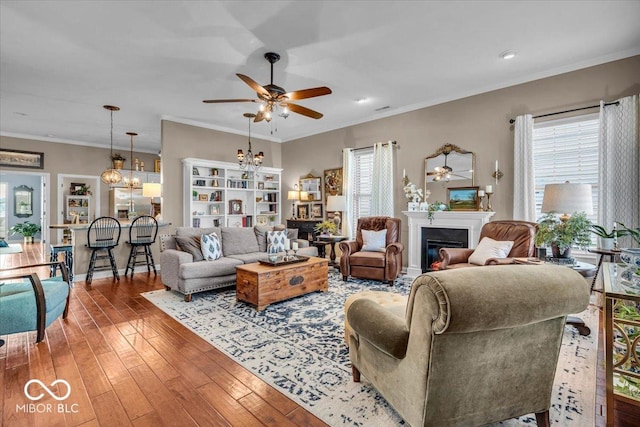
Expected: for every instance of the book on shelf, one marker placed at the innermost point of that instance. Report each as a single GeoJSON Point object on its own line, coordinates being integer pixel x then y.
{"type": "Point", "coordinates": [196, 222]}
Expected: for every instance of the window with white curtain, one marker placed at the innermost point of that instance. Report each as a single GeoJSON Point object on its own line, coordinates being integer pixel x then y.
{"type": "Point", "coordinates": [363, 180]}
{"type": "Point", "coordinates": [566, 150]}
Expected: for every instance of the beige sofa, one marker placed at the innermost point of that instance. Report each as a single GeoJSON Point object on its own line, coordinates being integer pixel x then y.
{"type": "Point", "coordinates": [184, 272]}
{"type": "Point", "coordinates": [474, 345]}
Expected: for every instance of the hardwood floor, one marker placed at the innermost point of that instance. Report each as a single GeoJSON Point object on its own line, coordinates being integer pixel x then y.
{"type": "Point", "coordinates": [128, 363]}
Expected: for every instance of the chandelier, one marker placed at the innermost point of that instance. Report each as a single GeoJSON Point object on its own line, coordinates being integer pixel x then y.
{"type": "Point", "coordinates": [111, 175]}
{"type": "Point", "coordinates": [250, 160]}
{"type": "Point", "coordinates": [131, 181]}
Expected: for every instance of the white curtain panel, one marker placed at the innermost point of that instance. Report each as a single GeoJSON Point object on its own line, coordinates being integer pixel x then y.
{"type": "Point", "coordinates": [524, 200]}
{"type": "Point", "coordinates": [383, 179]}
{"type": "Point", "coordinates": [619, 158]}
{"type": "Point", "coordinates": [347, 185]}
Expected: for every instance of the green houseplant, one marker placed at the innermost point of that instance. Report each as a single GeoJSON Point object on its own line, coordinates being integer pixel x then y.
{"type": "Point", "coordinates": [26, 229]}
{"type": "Point", "coordinates": [633, 232]}
{"type": "Point", "coordinates": [326, 227]}
{"type": "Point", "coordinates": [118, 160]}
{"type": "Point", "coordinates": [561, 235]}
{"type": "Point", "coordinates": [607, 237]}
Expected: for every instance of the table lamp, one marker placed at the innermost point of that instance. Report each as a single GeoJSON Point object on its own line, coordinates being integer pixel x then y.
{"type": "Point", "coordinates": [151, 189]}
{"type": "Point", "coordinates": [293, 195]}
{"type": "Point", "coordinates": [337, 204]}
{"type": "Point", "coordinates": [567, 198]}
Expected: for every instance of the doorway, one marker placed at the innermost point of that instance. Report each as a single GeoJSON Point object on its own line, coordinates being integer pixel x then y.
{"type": "Point", "coordinates": [15, 189]}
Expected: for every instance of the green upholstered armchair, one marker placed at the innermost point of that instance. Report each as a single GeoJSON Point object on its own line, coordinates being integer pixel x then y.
{"type": "Point", "coordinates": [475, 345]}
{"type": "Point", "coordinates": [28, 303]}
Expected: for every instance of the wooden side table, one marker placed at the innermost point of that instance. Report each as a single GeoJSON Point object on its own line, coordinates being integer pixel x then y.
{"type": "Point", "coordinates": [611, 253]}
{"type": "Point", "coordinates": [331, 240]}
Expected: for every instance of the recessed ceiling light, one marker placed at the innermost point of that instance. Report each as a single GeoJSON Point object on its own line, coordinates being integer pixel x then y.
{"type": "Point", "coordinates": [361, 100]}
{"type": "Point", "coordinates": [508, 54]}
{"type": "Point", "coordinates": [19, 113]}
{"type": "Point", "coordinates": [50, 135]}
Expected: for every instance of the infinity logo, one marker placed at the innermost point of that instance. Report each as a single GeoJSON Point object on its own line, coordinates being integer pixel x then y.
{"type": "Point", "coordinates": [47, 389]}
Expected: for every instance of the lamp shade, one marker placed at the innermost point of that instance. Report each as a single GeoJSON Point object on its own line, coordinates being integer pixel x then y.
{"type": "Point", "coordinates": [304, 196]}
{"type": "Point", "coordinates": [567, 198]}
{"type": "Point", "coordinates": [151, 189]}
{"type": "Point", "coordinates": [336, 203]}
{"type": "Point", "coordinates": [293, 195]}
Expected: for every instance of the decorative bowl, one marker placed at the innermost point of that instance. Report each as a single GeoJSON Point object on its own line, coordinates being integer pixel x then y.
{"type": "Point", "coordinates": [273, 257]}
{"type": "Point", "coordinates": [631, 257]}
{"type": "Point", "coordinates": [630, 275]}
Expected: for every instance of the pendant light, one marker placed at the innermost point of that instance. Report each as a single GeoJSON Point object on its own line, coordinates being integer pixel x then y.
{"type": "Point", "coordinates": [250, 161]}
{"type": "Point", "coordinates": [131, 181]}
{"type": "Point", "coordinates": [110, 175]}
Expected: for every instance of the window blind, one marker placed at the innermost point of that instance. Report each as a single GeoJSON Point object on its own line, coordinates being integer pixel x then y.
{"type": "Point", "coordinates": [363, 181]}
{"type": "Point", "coordinates": [566, 150]}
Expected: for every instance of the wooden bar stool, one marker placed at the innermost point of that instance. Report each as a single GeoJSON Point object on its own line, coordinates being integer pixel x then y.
{"type": "Point", "coordinates": [103, 235]}
{"type": "Point", "coordinates": [67, 249]}
{"type": "Point", "coordinates": [142, 234]}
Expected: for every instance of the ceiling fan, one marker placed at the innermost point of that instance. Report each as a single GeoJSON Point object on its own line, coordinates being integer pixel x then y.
{"type": "Point", "coordinates": [272, 96]}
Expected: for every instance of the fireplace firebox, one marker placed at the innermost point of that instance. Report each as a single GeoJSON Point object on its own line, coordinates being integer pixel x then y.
{"type": "Point", "coordinates": [433, 239]}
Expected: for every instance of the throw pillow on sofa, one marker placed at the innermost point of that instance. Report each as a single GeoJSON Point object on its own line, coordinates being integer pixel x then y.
{"type": "Point", "coordinates": [374, 241]}
{"type": "Point", "coordinates": [489, 248]}
{"type": "Point", "coordinates": [190, 244]}
{"type": "Point", "coordinates": [277, 241]}
{"type": "Point", "coordinates": [210, 246]}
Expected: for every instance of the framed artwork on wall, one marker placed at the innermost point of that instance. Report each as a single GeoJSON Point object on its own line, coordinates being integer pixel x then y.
{"type": "Point", "coordinates": [302, 211]}
{"type": "Point", "coordinates": [21, 159]}
{"type": "Point", "coordinates": [463, 198]}
{"type": "Point", "coordinates": [332, 182]}
{"type": "Point", "coordinates": [316, 211]}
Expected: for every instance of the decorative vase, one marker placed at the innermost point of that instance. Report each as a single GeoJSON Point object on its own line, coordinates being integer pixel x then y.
{"type": "Point", "coordinates": [555, 252]}
{"type": "Point", "coordinates": [413, 206]}
{"type": "Point", "coordinates": [118, 164]}
{"type": "Point", "coordinates": [28, 239]}
{"type": "Point", "coordinates": [424, 207]}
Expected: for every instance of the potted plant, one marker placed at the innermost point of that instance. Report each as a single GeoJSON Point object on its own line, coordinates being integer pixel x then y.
{"type": "Point", "coordinates": [633, 232]}
{"type": "Point", "coordinates": [326, 227]}
{"type": "Point", "coordinates": [561, 235]}
{"type": "Point", "coordinates": [26, 229]}
{"type": "Point", "coordinates": [118, 160]}
{"type": "Point", "coordinates": [606, 238]}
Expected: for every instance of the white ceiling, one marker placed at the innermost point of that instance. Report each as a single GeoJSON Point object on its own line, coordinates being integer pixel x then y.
{"type": "Point", "coordinates": [62, 60]}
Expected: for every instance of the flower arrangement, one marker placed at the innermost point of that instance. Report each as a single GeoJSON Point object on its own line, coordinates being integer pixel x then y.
{"type": "Point", "coordinates": [413, 193]}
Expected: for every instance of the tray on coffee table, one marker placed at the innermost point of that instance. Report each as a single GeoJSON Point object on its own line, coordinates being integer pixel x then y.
{"type": "Point", "coordinates": [294, 260]}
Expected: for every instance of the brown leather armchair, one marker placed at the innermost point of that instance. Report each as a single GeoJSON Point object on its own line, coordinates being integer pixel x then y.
{"type": "Point", "coordinates": [521, 232]}
{"type": "Point", "coordinates": [384, 266]}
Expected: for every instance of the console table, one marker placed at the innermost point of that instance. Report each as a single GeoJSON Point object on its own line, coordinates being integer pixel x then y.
{"type": "Point", "coordinates": [305, 228]}
{"type": "Point", "coordinates": [621, 323]}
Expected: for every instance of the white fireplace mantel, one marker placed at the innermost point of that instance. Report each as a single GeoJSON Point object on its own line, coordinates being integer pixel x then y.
{"type": "Point", "coordinates": [467, 220]}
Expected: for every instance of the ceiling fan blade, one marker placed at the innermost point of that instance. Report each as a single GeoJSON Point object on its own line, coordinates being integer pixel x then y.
{"type": "Point", "coordinates": [217, 101]}
{"type": "Point", "coordinates": [255, 86]}
{"type": "Point", "coordinates": [304, 111]}
{"type": "Point", "coordinates": [307, 93]}
{"type": "Point", "coordinates": [259, 117]}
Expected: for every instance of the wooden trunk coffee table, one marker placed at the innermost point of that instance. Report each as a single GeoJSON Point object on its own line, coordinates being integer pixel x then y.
{"type": "Point", "coordinates": [262, 285]}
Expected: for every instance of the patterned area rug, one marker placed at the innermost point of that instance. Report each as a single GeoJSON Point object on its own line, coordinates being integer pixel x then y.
{"type": "Point", "coordinates": [298, 347]}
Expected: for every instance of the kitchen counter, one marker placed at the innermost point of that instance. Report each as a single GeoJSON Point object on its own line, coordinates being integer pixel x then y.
{"type": "Point", "coordinates": [82, 255]}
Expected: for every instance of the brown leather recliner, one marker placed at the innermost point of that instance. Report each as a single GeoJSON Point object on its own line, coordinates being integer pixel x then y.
{"type": "Point", "coordinates": [384, 266]}
{"type": "Point", "coordinates": [521, 232]}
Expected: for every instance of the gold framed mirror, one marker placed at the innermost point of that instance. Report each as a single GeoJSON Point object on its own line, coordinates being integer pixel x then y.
{"type": "Point", "coordinates": [23, 201]}
{"type": "Point", "coordinates": [313, 186]}
{"type": "Point", "coordinates": [450, 163]}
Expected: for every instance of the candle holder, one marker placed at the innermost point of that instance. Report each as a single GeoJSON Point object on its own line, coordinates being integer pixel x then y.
{"type": "Point", "coordinates": [481, 200]}
{"type": "Point", "coordinates": [488, 208]}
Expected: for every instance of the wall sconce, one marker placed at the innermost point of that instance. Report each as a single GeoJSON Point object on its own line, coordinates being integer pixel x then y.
{"type": "Point", "coordinates": [497, 173]}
